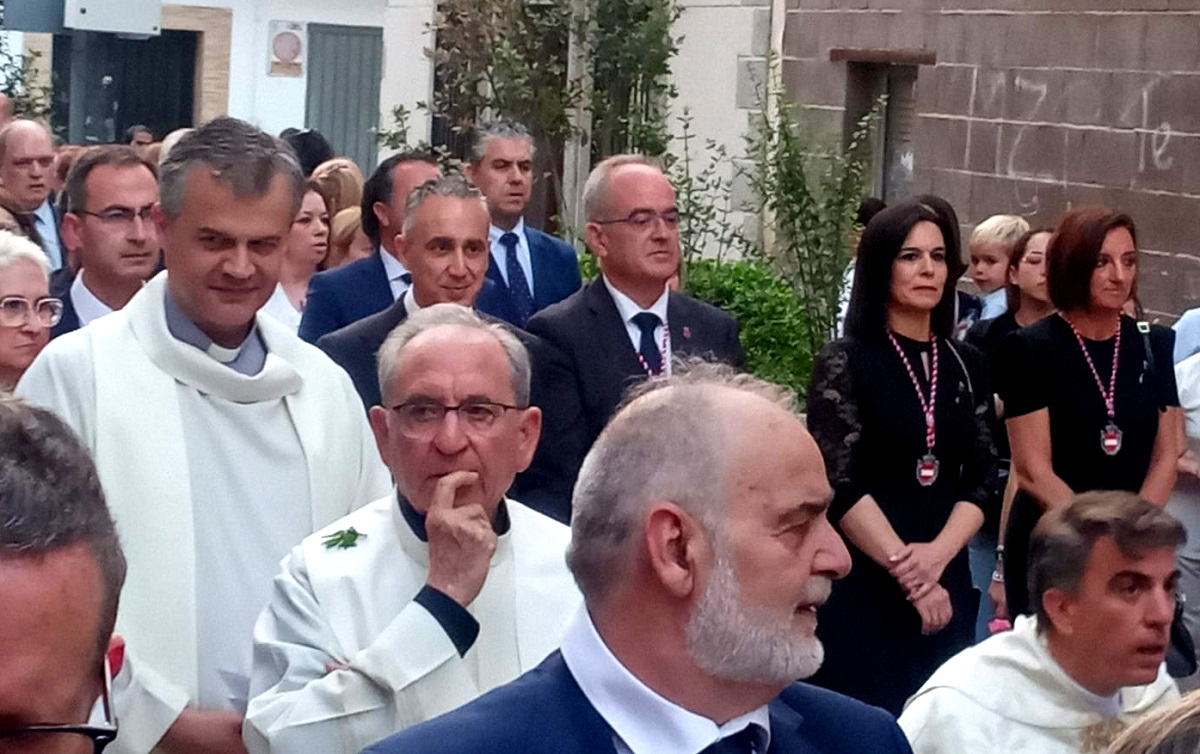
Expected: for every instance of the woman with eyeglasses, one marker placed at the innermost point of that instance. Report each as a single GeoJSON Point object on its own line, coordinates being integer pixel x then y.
{"type": "Point", "coordinates": [27, 311]}
{"type": "Point", "coordinates": [1090, 400]}
{"type": "Point", "coordinates": [899, 410]}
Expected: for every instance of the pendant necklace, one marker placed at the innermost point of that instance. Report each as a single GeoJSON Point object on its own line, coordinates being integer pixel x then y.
{"type": "Point", "coordinates": [1110, 436]}
{"type": "Point", "coordinates": [927, 466]}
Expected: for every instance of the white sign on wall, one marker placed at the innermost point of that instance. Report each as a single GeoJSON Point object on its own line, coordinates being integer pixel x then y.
{"type": "Point", "coordinates": [137, 17]}
{"type": "Point", "coordinates": [287, 41]}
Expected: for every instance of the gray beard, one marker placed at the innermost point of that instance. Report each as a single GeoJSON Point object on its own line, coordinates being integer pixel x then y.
{"type": "Point", "coordinates": [731, 640]}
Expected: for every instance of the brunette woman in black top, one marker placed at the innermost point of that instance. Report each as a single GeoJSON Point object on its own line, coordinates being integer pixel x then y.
{"type": "Point", "coordinates": [899, 410]}
{"type": "Point", "coordinates": [1087, 404]}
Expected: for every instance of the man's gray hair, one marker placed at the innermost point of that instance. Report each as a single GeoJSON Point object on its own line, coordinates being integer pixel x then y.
{"type": "Point", "coordinates": [497, 129]}
{"type": "Point", "coordinates": [595, 190]}
{"type": "Point", "coordinates": [51, 500]}
{"type": "Point", "coordinates": [238, 154]}
{"type": "Point", "coordinates": [1063, 539]}
{"type": "Point", "coordinates": [452, 185]}
{"type": "Point", "coordinates": [453, 315]}
{"type": "Point", "coordinates": [16, 124]}
{"type": "Point", "coordinates": [662, 444]}
{"type": "Point", "coordinates": [16, 248]}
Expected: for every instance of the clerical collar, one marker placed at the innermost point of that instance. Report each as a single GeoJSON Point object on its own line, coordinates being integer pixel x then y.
{"type": "Point", "coordinates": [416, 519]}
{"type": "Point", "coordinates": [248, 358]}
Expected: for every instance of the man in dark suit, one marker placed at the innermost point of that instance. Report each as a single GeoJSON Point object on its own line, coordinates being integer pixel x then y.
{"type": "Point", "coordinates": [626, 325]}
{"type": "Point", "coordinates": [348, 293]}
{"type": "Point", "coordinates": [703, 555]}
{"type": "Point", "coordinates": [110, 193]}
{"type": "Point", "coordinates": [26, 169]}
{"type": "Point", "coordinates": [532, 269]}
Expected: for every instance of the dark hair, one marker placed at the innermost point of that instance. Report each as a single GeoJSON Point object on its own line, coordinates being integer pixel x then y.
{"type": "Point", "coordinates": [117, 155]}
{"type": "Point", "coordinates": [1063, 540]}
{"type": "Point", "coordinates": [238, 154]}
{"type": "Point", "coordinates": [868, 208]}
{"type": "Point", "coordinates": [311, 186]}
{"type": "Point", "coordinates": [51, 500]}
{"type": "Point", "coordinates": [379, 186]}
{"type": "Point", "coordinates": [1074, 251]}
{"type": "Point", "coordinates": [136, 129]}
{"type": "Point", "coordinates": [866, 318]}
{"type": "Point", "coordinates": [1015, 257]}
{"type": "Point", "coordinates": [311, 148]}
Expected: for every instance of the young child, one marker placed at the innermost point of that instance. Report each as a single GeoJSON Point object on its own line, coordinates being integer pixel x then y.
{"type": "Point", "coordinates": [990, 245]}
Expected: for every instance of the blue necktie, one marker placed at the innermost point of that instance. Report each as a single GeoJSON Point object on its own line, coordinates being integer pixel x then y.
{"type": "Point", "coordinates": [647, 322]}
{"type": "Point", "coordinates": [518, 286]}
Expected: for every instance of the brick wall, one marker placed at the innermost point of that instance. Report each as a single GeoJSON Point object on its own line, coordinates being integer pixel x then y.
{"type": "Point", "coordinates": [1033, 106]}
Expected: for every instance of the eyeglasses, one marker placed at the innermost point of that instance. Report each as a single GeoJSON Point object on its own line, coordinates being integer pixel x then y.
{"type": "Point", "coordinates": [643, 217]}
{"type": "Point", "coordinates": [30, 739]}
{"type": "Point", "coordinates": [420, 420]}
{"type": "Point", "coordinates": [121, 215]}
{"type": "Point", "coordinates": [15, 311]}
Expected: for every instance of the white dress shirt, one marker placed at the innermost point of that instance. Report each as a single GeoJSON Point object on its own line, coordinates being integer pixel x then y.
{"type": "Point", "coordinates": [280, 307]}
{"type": "Point", "coordinates": [995, 304]}
{"type": "Point", "coordinates": [643, 721]}
{"type": "Point", "coordinates": [500, 252]}
{"type": "Point", "coordinates": [628, 309]}
{"type": "Point", "coordinates": [87, 306]}
{"type": "Point", "coordinates": [47, 227]}
{"type": "Point", "coordinates": [396, 271]}
{"type": "Point", "coordinates": [411, 306]}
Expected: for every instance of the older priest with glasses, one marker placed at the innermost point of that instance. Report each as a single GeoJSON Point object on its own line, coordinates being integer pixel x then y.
{"type": "Point", "coordinates": [421, 601]}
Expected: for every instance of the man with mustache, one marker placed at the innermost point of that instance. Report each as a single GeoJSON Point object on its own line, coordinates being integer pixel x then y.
{"type": "Point", "coordinates": [221, 438]}
{"type": "Point", "coordinates": [111, 192]}
{"type": "Point", "coordinates": [703, 554]}
{"type": "Point", "coordinates": [1090, 660]}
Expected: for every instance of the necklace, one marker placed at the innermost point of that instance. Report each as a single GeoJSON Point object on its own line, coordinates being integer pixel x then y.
{"type": "Point", "coordinates": [927, 466]}
{"type": "Point", "coordinates": [1111, 435]}
{"type": "Point", "coordinates": [666, 341]}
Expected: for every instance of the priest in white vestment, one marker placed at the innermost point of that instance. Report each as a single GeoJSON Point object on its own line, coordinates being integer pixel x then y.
{"type": "Point", "coordinates": [221, 439]}
{"type": "Point", "coordinates": [1088, 664]}
{"type": "Point", "coordinates": [418, 603]}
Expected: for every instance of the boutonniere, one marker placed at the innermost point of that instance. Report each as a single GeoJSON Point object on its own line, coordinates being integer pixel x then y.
{"type": "Point", "coordinates": [343, 540]}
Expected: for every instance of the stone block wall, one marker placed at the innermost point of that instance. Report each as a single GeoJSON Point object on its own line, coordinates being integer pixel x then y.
{"type": "Point", "coordinates": [1035, 106]}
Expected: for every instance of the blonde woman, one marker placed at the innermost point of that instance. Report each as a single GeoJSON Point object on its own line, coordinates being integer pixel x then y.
{"type": "Point", "coordinates": [347, 239]}
{"type": "Point", "coordinates": [341, 182]}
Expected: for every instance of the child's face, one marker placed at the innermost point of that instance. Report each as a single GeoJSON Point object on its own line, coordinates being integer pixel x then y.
{"type": "Point", "coordinates": [989, 264]}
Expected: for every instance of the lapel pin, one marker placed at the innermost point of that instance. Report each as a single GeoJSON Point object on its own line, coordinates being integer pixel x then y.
{"type": "Point", "coordinates": [687, 333]}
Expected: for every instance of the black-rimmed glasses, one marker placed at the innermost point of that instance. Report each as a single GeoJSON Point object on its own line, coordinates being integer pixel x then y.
{"type": "Point", "coordinates": [420, 420]}
{"type": "Point", "coordinates": [121, 215]}
{"type": "Point", "coordinates": [643, 217]}
{"type": "Point", "coordinates": [52, 738]}
{"type": "Point", "coordinates": [15, 311]}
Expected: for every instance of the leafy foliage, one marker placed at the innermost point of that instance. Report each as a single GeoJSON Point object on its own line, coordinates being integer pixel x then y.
{"type": "Point", "coordinates": [17, 80]}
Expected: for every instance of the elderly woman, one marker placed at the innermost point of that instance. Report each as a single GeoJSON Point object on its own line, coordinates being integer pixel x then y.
{"type": "Point", "coordinates": [27, 312]}
{"type": "Point", "coordinates": [900, 413]}
{"type": "Point", "coordinates": [307, 248]}
{"type": "Point", "coordinates": [1088, 398]}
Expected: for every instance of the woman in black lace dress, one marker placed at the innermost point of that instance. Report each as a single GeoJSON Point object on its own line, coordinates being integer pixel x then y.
{"type": "Point", "coordinates": [900, 413]}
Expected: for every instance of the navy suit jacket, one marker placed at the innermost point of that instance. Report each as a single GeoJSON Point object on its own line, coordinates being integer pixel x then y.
{"type": "Point", "coordinates": [587, 330]}
{"type": "Point", "coordinates": [555, 272]}
{"type": "Point", "coordinates": [344, 295]}
{"type": "Point", "coordinates": [60, 288]}
{"type": "Point", "coordinates": [545, 712]}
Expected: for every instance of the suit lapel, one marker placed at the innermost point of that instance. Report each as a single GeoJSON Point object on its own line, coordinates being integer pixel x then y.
{"type": "Point", "coordinates": [785, 730]}
{"type": "Point", "coordinates": [610, 332]}
{"type": "Point", "coordinates": [541, 288]}
{"type": "Point", "coordinates": [580, 728]}
{"type": "Point", "coordinates": [378, 286]}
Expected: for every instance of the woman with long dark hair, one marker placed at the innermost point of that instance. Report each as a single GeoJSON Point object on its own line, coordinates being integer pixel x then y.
{"type": "Point", "coordinates": [899, 411]}
{"type": "Point", "coordinates": [1087, 396]}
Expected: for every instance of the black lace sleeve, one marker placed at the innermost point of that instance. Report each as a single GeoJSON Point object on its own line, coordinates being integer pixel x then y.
{"type": "Point", "coordinates": [833, 421]}
{"type": "Point", "coordinates": [979, 477]}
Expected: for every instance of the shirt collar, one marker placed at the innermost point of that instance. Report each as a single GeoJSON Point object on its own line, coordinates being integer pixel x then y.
{"type": "Point", "coordinates": [416, 519]}
{"type": "Point", "coordinates": [410, 302]}
{"type": "Point", "coordinates": [45, 213]}
{"type": "Point", "coordinates": [628, 308]}
{"type": "Point", "coordinates": [495, 233]}
{"type": "Point", "coordinates": [248, 358]}
{"type": "Point", "coordinates": [87, 306]}
{"type": "Point", "coordinates": [640, 716]}
{"type": "Point", "coordinates": [391, 265]}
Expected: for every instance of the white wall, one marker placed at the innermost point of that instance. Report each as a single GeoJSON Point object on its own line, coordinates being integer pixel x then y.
{"type": "Point", "coordinates": [407, 73]}
{"type": "Point", "coordinates": [274, 103]}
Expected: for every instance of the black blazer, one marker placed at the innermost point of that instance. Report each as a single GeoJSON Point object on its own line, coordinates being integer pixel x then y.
{"type": "Point", "coordinates": [60, 288]}
{"type": "Point", "coordinates": [545, 712]}
{"type": "Point", "coordinates": [587, 330]}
